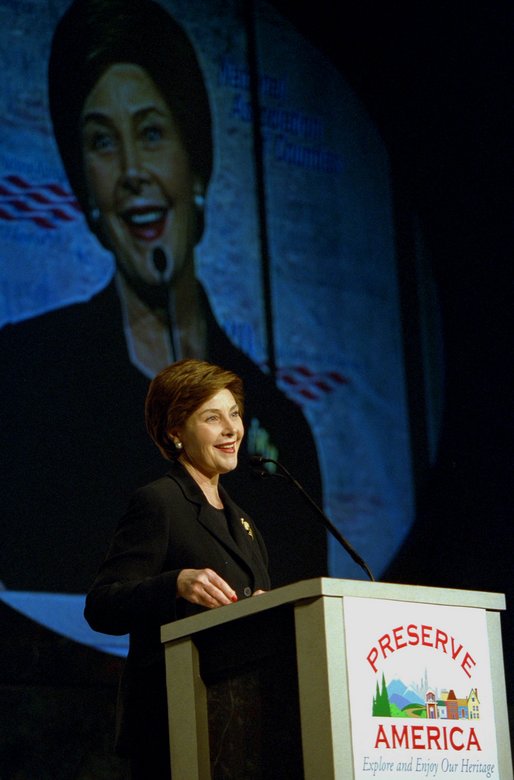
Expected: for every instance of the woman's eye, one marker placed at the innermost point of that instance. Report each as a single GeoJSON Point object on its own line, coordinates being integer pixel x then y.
{"type": "Point", "coordinates": [152, 133]}
{"type": "Point", "coordinates": [100, 142]}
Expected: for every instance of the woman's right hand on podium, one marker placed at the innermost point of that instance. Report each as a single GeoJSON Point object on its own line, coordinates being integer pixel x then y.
{"type": "Point", "coordinates": [204, 587]}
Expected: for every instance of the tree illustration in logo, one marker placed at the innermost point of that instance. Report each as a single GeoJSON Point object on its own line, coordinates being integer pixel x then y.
{"type": "Point", "coordinates": [381, 705]}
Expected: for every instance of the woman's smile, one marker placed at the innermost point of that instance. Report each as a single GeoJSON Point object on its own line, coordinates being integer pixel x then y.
{"type": "Point", "coordinates": [138, 173]}
{"type": "Point", "coordinates": [230, 448]}
{"type": "Point", "coordinates": [145, 223]}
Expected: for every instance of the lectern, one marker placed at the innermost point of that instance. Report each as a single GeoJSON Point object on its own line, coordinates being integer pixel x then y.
{"type": "Point", "coordinates": [346, 679]}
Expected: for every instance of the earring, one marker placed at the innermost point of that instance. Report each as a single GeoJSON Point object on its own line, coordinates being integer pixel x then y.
{"type": "Point", "coordinates": [94, 214]}
{"type": "Point", "coordinates": [199, 211]}
{"type": "Point", "coordinates": [178, 445]}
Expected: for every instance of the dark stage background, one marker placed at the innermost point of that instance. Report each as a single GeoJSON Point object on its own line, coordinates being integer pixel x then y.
{"type": "Point", "coordinates": [436, 78]}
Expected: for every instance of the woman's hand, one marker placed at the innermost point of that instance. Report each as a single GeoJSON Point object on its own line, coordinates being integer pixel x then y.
{"type": "Point", "coordinates": [204, 587]}
{"type": "Point", "coordinates": [258, 592]}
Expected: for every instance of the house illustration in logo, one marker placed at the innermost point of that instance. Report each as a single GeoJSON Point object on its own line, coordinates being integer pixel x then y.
{"type": "Point", "coordinates": [449, 707]}
{"type": "Point", "coordinates": [452, 706]}
{"type": "Point", "coordinates": [397, 700]}
{"type": "Point", "coordinates": [473, 705]}
{"type": "Point", "coordinates": [431, 705]}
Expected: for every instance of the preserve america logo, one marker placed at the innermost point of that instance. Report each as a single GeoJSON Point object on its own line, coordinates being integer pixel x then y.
{"type": "Point", "coordinates": [420, 690]}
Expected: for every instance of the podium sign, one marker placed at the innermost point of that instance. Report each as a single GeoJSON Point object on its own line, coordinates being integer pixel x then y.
{"type": "Point", "coordinates": [359, 681]}
{"type": "Point", "coordinates": [421, 693]}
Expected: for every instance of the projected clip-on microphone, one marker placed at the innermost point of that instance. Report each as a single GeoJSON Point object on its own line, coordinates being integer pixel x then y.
{"type": "Point", "coordinates": [257, 463]}
{"type": "Point", "coordinates": [160, 262]}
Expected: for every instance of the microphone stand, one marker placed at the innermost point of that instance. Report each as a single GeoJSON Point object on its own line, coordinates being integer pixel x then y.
{"type": "Point", "coordinates": [258, 460]}
{"type": "Point", "coordinates": [160, 262]}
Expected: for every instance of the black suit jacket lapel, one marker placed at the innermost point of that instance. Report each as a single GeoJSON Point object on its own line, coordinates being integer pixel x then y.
{"type": "Point", "coordinates": [223, 535]}
{"type": "Point", "coordinates": [236, 539]}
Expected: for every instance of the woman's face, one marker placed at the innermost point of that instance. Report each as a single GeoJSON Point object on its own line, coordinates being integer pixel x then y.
{"type": "Point", "coordinates": [138, 174]}
{"type": "Point", "coordinates": [211, 435]}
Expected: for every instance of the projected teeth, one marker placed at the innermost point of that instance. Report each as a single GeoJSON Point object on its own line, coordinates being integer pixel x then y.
{"type": "Point", "coordinates": [145, 218]}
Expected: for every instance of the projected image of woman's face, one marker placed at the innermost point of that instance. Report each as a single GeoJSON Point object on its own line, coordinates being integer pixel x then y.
{"type": "Point", "coordinates": [137, 173]}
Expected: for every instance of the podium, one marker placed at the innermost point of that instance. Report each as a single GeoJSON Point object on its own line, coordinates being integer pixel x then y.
{"type": "Point", "coordinates": [305, 681]}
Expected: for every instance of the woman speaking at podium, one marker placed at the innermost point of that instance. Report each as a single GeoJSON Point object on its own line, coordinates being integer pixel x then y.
{"type": "Point", "coordinates": [183, 546]}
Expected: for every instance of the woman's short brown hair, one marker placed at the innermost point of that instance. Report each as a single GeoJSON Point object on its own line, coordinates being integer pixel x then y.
{"type": "Point", "coordinates": [179, 390]}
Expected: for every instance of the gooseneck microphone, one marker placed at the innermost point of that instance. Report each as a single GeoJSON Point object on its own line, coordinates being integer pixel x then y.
{"type": "Point", "coordinates": [160, 262]}
{"type": "Point", "coordinates": [257, 463]}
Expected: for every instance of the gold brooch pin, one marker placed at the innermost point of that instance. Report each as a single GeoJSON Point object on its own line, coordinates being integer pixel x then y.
{"type": "Point", "coordinates": [246, 525]}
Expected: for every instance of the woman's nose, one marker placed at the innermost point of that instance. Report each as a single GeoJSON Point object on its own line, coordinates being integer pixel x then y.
{"type": "Point", "coordinates": [229, 426]}
{"type": "Point", "coordinates": [133, 173]}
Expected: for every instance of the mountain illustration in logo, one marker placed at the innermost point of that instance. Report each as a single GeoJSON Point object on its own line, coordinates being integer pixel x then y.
{"type": "Point", "coordinates": [402, 695]}
{"type": "Point", "coordinates": [398, 700]}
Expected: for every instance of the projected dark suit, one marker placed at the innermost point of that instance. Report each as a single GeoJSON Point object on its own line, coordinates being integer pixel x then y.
{"type": "Point", "coordinates": [75, 447]}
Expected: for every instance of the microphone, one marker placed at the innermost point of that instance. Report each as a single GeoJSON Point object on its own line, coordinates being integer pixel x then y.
{"type": "Point", "coordinates": [160, 262]}
{"type": "Point", "coordinates": [257, 463]}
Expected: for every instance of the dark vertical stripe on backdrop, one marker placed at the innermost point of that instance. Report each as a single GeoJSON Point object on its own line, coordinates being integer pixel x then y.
{"type": "Point", "coordinates": [258, 145]}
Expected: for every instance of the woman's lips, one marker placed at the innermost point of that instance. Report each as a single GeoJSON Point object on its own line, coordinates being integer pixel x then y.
{"type": "Point", "coordinates": [230, 448]}
{"type": "Point", "coordinates": [145, 224]}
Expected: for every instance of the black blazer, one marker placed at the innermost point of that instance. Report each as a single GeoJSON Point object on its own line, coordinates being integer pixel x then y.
{"type": "Point", "coordinates": [168, 527]}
